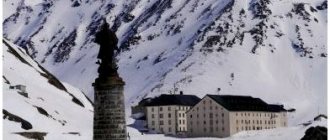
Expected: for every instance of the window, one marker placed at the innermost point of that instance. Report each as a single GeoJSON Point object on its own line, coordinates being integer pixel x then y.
{"type": "Point", "coordinates": [204, 102]}
{"type": "Point", "coordinates": [183, 122]}
{"type": "Point", "coordinates": [169, 115]}
{"type": "Point", "coordinates": [204, 122]}
{"type": "Point", "coordinates": [211, 115]}
{"type": "Point", "coordinates": [169, 129]}
{"type": "Point", "coordinates": [216, 121]}
{"type": "Point", "coordinates": [169, 122]}
{"type": "Point", "coordinates": [197, 108]}
{"type": "Point", "coordinates": [204, 129]}
{"type": "Point", "coordinates": [211, 122]}
{"type": "Point", "coordinates": [242, 121]}
{"type": "Point", "coordinates": [191, 130]}
{"type": "Point", "coordinates": [236, 114]}
{"type": "Point", "coordinates": [161, 122]}
{"type": "Point", "coordinates": [160, 108]}
{"type": "Point", "coordinates": [161, 130]}
{"type": "Point", "coordinates": [152, 122]}
{"type": "Point", "coordinates": [210, 107]}
{"type": "Point", "coordinates": [190, 116]}
{"type": "Point", "coordinates": [237, 129]}
{"type": "Point", "coordinates": [223, 129]}
{"type": "Point", "coordinates": [197, 116]}
{"type": "Point", "coordinates": [222, 114]}
{"type": "Point", "coordinates": [160, 115]}
{"type": "Point", "coordinates": [152, 115]}
{"type": "Point", "coordinates": [152, 109]}
{"type": "Point", "coordinates": [237, 121]}
{"type": "Point", "coordinates": [179, 121]}
{"type": "Point", "coordinates": [179, 114]}
{"type": "Point", "coordinates": [216, 108]}
{"type": "Point", "coordinates": [211, 129]}
{"type": "Point", "coordinates": [216, 129]}
{"type": "Point", "coordinates": [169, 108]}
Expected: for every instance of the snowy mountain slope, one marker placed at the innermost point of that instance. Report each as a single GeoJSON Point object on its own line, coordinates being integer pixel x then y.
{"type": "Point", "coordinates": [51, 107]}
{"type": "Point", "coordinates": [275, 50]}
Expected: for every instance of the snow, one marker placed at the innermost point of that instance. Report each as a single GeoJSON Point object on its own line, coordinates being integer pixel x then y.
{"type": "Point", "coordinates": [276, 73]}
{"type": "Point", "coordinates": [55, 101]}
{"type": "Point", "coordinates": [285, 133]}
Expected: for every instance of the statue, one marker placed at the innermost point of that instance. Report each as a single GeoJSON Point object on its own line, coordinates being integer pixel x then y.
{"type": "Point", "coordinates": [109, 104]}
{"type": "Point", "coordinates": [108, 45]}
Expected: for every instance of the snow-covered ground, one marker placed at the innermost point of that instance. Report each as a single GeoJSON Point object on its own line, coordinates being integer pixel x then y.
{"type": "Point", "coordinates": [286, 133]}
{"type": "Point", "coordinates": [61, 117]}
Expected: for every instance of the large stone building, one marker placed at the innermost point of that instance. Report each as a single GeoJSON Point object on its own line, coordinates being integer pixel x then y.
{"type": "Point", "coordinates": [167, 113]}
{"type": "Point", "coordinates": [109, 110]}
{"type": "Point", "coordinates": [225, 115]}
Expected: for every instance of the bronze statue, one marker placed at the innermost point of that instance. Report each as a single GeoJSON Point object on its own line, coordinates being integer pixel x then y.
{"type": "Point", "coordinates": [108, 45]}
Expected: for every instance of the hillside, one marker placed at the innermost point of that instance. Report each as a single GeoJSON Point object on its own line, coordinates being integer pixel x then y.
{"type": "Point", "coordinates": [49, 108]}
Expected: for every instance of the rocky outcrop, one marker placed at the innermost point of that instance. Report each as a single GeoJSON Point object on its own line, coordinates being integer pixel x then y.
{"type": "Point", "coordinates": [315, 133]}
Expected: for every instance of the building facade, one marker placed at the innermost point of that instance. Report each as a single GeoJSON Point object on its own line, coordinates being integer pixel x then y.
{"type": "Point", "coordinates": [167, 113]}
{"type": "Point", "coordinates": [225, 115]}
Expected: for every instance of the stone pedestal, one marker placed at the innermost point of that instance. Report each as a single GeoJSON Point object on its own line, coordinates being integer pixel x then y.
{"type": "Point", "coordinates": [109, 109]}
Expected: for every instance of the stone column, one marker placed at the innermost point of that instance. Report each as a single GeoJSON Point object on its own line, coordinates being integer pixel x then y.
{"type": "Point", "coordinates": [109, 109]}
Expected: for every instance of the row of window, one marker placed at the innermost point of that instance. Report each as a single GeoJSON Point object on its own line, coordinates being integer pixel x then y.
{"type": "Point", "coordinates": [169, 108]}
{"type": "Point", "coordinates": [169, 122]}
{"type": "Point", "coordinates": [169, 115]}
{"type": "Point", "coordinates": [211, 122]}
{"type": "Point", "coordinates": [180, 129]}
{"type": "Point", "coordinates": [253, 128]}
{"type": "Point", "coordinates": [255, 122]}
{"type": "Point", "coordinates": [211, 108]}
{"type": "Point", "coordinates": [258, 114]}
{"type": "Point", "coordinates": [211, 130]}
{"type": "Point", "coordinates": [210, 115]}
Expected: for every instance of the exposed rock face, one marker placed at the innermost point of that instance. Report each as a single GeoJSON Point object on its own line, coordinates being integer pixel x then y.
{"type": "Point", "coordinates": [33, 135]}
{"type": "Point", "coordinates": [25, 124]}
{"type": "Point", "coordinates": [109, 109]}
{"type": "Point", "coordinates": [315, 133]}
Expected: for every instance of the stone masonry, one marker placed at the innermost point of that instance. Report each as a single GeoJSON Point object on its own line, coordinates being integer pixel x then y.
{"type": "Point", "coordinates": [109, 110]}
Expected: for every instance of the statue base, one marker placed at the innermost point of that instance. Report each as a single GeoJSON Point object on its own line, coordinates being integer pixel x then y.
{"type": "Point", "coordinates": [109, 109]}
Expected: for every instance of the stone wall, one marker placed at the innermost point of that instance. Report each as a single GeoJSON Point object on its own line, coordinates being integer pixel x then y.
{"type": "Point", "coordinates": [109, 110]}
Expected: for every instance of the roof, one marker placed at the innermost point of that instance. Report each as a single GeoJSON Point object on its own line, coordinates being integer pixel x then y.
{"type": "Point", "coordinates": [165, 99]}
{"type": "Point", "coordinates": [245, 103]}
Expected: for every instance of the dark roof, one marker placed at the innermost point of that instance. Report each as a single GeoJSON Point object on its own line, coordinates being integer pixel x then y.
{"type": "Point", "coordinates": [245, 103]}
{"type": "Point", "coordinates": [165, 99]}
